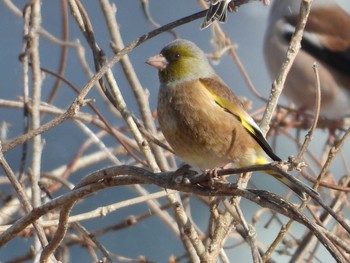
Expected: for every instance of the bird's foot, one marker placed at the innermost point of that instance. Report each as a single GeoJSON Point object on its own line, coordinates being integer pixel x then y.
{"type": "Point", "coordinates": [212, 175]}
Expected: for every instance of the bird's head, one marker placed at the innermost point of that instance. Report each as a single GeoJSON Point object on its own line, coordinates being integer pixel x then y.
{"type": "Point", "coordinates": [181, 60]}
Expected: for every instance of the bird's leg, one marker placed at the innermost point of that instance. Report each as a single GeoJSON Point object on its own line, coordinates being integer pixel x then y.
{"type": "Point", "coordinates": [212, 174]}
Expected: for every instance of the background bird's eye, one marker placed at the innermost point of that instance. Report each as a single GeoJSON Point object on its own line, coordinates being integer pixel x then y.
{"type": "Point", "coordinates": [177, 55]}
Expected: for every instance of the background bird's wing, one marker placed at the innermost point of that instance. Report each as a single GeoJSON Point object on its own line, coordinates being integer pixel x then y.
{"type": "Point", "coordinates": [327, 36]}
{"type": "Point", "coordinates": [226, 99]}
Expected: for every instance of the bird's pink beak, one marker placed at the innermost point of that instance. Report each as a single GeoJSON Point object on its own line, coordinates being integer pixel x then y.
{"type": "Point", "coordinates": [158, 61]}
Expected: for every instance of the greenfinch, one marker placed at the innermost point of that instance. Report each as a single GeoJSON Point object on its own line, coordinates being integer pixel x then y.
{"type": "Point", "coordinates": [201, 118]}
{"type": "Point", "coordinates": [326, 40]}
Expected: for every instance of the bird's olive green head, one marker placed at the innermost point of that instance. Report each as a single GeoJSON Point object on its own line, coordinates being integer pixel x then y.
{"type": "Point", "coordinates": [184, 61]}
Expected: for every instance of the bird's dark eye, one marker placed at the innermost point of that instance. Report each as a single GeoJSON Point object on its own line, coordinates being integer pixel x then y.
{"type": "Point", "coordinates": [172, 56]}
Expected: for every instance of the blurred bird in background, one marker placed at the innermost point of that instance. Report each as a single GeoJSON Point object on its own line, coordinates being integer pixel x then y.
{"type": "Point", "coordinates": [217, 11]}
{"type": "Point", "coordinates": [326, 41]}
{"type": "Point", "coordinates": [201, 118]}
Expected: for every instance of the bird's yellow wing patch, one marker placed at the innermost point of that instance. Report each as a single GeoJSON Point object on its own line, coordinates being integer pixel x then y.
{"type": "Point", "coordinates": [231, 104]}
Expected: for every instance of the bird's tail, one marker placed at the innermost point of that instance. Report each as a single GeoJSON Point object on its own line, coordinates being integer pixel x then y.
{"type": "Point", "coordinates": [293, 186]}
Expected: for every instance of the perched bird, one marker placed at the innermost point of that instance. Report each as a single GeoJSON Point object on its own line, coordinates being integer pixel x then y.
{"type": "Point", "coordinates": [326, 41]}
{"type": "Point", "coordinates": [201, 118]}
{"type": "Point", "coordinates": [217, 11]}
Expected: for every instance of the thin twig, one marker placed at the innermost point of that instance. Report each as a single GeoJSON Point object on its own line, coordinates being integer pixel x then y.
{"type": "Point", "coordinates": [64, 52]}
{"type": "Point", "coordinates": [292, 52]}
{"type": "Point", "coordinates": [317, 114]}
{"type": "Point", "coordinates": [140, 94]}
{"type": "Point", "coordinates": [25, 202]}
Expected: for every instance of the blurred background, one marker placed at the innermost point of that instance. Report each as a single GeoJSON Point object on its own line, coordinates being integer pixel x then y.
{"type": "Point", "coordinates": [152, 238]}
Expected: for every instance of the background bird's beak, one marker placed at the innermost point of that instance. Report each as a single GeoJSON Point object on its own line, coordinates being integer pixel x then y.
{"type": "Point", "coordinates": [158, 61]}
